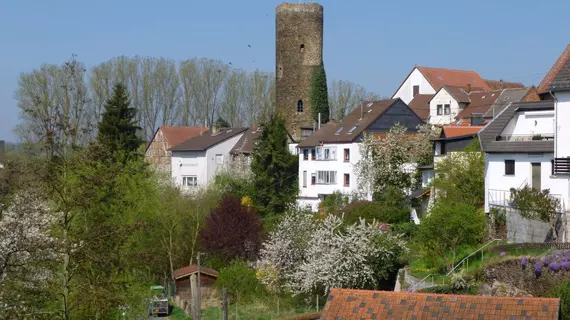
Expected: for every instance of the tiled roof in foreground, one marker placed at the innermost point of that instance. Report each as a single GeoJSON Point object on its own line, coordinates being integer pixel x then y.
{"type": "Point", "coordinates": [344, 304]}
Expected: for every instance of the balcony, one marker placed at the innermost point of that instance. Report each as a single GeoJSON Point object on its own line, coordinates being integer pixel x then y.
{"type": "Point", "coordinates": [502, 199]}
{"type": "Point", "coordinates": [526, 137]}
{"type": "Point", "coordinates": [562, 166]}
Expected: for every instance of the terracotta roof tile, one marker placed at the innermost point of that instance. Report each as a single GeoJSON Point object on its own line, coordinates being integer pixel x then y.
{"type": "Point", "coordinates": [500, 84]}
{"type": "Point", "coordinates": [556, 67]}
{"type": "Point", "coordinates": [456, 131]}
{"type": "Point", "coordinates": [188, 270]}
{"type": "Point", "coordinates": [420, 105]}
{"type": "Point", "coordinates": [177, 135]}
{"type": "Point", "coordinates": [438, 77]}
{"type": "Point", "coordinates": [366, 304]}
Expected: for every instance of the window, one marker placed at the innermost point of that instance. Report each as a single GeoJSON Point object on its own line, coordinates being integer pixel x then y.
{"type": "Point", "coordinates": [326, 153]}
{"type": "Point", "coordinates": [446, 109]}
{"type": "Point", "coordinates": [326, 177]}
{"type": "Point", "coordinates": [305, 132]}
{"type": "Point", "coordinates": [300, 106]}
{"type": "Point", "coordinates": [313, 154]}
{"type": "Point", "coordinates": [439, 109]}
{"type": "Point", "coordinates": [339, 131]}
{"type": "Point", "coordinates": [304, 179]}
{"type": "Point", "coordinates": [536, 175]}
{"type": "Point", "coordinates": [352, 130]}
{"type": "Point", "coordinates": [509, 167]}
{"type": "Point", "coordinates": [443, 151]}
{"type": "Point", "coordinates": [302, 47]}
{"type": "Point", "coordinates": [346, 155]}
{"type": "Point", "coordinates": [305, 154]}
{"type": "Point", "coordinates": [347, 180]}
{"type": "Point", "coordinates": [190, 181]}
{"type": "Point", "coordinates": [219, 159]}
{"type": "Point", "coordinates": [313, 178]}
{"type": "Point", "coordinates": [416, 90]}
{"type": "Point", "coordinates": [552, 167]}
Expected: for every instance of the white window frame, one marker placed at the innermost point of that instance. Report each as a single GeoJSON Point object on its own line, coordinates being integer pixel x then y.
{"type": "Point", "coordinates": [326, 177]}
{"type": "Point", "coordinates": [190, 181]}
{"type": "Point", "coordinates": [447, 109]}
{"type": "Point", "coordinates": [220, 157]}
{"type": "Point", "coordinates": [326, 153]}
{"type": "Point", "coordinates": [439, 109]}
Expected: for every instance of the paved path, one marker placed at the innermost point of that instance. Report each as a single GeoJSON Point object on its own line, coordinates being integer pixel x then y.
{"type": "Point", "coordinates": [415, 282]}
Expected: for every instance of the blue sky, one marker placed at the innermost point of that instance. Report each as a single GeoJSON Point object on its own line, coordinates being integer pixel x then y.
{"type": "Point", "coordinates": [372, 43]}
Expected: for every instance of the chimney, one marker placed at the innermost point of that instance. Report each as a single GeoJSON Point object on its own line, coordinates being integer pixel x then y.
{"type": "Point", "coordinates": [468, 88]}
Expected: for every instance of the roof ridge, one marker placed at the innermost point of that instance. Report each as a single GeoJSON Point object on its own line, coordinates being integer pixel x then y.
{"type": "Point", "coordinates": [448, 69]}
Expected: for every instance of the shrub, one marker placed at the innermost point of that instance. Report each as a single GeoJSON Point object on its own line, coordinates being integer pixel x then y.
{"type": "Point", "coordinates": [373, 210]}
{"type": "Point", "coordinates": [240, 281]}
{"type": "Point", "coordinates": [458, 283]}
{"type": "Point", "coordinates": [232, 231]}
{"type": "Point", "coordinates": [562, 291]}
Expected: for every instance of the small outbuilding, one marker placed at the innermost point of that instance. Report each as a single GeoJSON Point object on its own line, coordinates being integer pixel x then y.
{"type": "Point", "coordinates": [182, 281]}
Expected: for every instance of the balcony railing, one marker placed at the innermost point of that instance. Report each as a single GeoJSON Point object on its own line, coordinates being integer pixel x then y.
{"type": "Point", "coordinates": [502, 198]}
{"type": "Point", "coordinates": [562, 166]}
{"type": "Point", "coordinates": [526, 137]}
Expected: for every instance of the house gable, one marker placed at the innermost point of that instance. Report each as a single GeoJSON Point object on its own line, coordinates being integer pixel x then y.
{"type": "Point", "coordinates": [399, 112]}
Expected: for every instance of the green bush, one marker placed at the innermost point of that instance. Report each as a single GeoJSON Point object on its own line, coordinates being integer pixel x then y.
{"type": "Point", "coordinates": [562, 291]}
{"type": "Point", "coordinates": [447, 289]}
{"type": "Point", "coordinates": [408, 229]}
{"type": "Point", "coordinates": [240, 281]}
{"type": "Point", "coordinates": [230, 185]}
{"type": "Point", "coordinates": [373, 210]}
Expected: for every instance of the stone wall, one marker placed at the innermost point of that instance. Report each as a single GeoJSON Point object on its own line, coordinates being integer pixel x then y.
{"type": "Point", "coordinates": [521, 230]}
{"type": "Point", "coordinates": [299, 51]}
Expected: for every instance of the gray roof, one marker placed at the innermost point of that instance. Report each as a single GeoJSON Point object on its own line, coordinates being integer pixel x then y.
{"type": "Point", "coordinates": [561, 81]}
{"type": "Point", "coordinates": [207, 139]}
{"type": "Point", "coordinates": [488, 135]}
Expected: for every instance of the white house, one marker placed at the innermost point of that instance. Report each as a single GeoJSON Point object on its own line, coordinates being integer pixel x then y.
{"type": "Point", "coordinates": [196, 161]}
{"type": "Point", "coordinates": [527, 143]}
{"type": "Point", "coordinates": [425, 80]}
{"type": "Point", "coordinates": [327, 158]}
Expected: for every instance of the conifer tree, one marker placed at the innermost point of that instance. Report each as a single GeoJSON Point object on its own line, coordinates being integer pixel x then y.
{"type": "Point", "coordinates": [319, 95]}
{"type": "Point", "coordinates": [274, 169]}
{"type": "Point", "coordinates": [118, 127]}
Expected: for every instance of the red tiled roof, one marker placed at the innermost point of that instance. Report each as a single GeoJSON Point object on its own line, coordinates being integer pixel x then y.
{"type": "Point", "coordinates": [500, 84]}
{"type": "Point", "coordinates": [545, 83]}
{"type": "Point", "coordinates": [367, 304]}
{"type": "Point", "coordinates": [456, 131]}
{"type": "Point", "coordinates": [177, 135]}
{"type": "Point", "coordinates": [438, 77]}
{"type": "Point", "coordinates": [189, 270]}
{"type": "Point", "coordinates": [420, 105]}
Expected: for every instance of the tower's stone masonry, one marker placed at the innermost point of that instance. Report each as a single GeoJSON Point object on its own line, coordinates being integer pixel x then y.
{"type": "Point", "coordinates": [299, 51]}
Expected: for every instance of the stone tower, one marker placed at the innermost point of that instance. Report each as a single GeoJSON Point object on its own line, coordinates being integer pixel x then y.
{"type": "Point", "coordinates": [299, 51]}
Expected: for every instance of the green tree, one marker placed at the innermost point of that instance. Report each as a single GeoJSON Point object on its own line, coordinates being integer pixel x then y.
{"type": "Point", "coordinates": [538, 205]}
{"type": "Point", "coordinates": [118, 127]}
{"type": "Point", "coordinates": [449, 226]}
{"type": "Point", "coordinates": [562, 291]}
{"type": "Point", "coordinates": [241, 281]}
{"type": "Point", "coordinates": [221, 123]}
{"type": "Point", "coordinates": [274, 169]}
{"type": "Point", "coordinates": [319, 95]}
{"type": "Point", "coordinates": [460, 176]}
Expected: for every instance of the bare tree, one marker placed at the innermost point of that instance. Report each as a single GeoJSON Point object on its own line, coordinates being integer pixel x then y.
{"type": "Point", "coordinates": [52, 100]}
{"type": "Point", "coordinates": [233, 98]}
{"type": "Point", "coordinates": [259, 97]}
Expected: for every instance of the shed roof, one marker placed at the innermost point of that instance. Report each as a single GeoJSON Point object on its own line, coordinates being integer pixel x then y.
{"type": "Point", "coordinates": [488, 135]}
{"type": "Point", "coordinates": [207, 139]}
{"type": "Point", "coordinates": [191, 269]}
{"type": "Point", "coordinates": [367, 304]}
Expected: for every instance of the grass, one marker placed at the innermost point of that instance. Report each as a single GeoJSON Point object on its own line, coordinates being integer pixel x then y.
{"type": "Point", "coordinates": [421, 268]}
{"type": "Point", "coordinates": [250, 311]}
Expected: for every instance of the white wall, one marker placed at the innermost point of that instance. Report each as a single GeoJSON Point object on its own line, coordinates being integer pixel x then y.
{"type": "Point", "coordinates": [496, 180]}
{"type": "Point", "coordinates": [189, 163]}
{"type": "Point", "coordinates": [443, 97]}
{"type": "Point", "coordinates": [562, 138]}
{"type": "Point", "coordinates": [406, 91]}
{"type": "Point", "coordinates": [308, 194]}
{"type": "Point", "coordinates": [201, 164]}
{"type": "Point", "coordinates": [530, 123]}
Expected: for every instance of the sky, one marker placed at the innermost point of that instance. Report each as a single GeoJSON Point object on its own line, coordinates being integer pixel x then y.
{"type": "Point", "coordinates": [369, 42]}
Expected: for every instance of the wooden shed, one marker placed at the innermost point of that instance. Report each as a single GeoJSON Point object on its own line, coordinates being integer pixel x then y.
{"type": "Point", "coordinates": [182, 277]}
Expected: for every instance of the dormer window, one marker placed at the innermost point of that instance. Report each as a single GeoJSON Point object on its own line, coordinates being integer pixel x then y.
{"type": "Point", "coordinates": [300, 106]}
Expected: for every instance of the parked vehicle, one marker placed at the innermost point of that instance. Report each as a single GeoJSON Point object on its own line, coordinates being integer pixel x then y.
{"type": "Point", "coordinates": [158, 305]}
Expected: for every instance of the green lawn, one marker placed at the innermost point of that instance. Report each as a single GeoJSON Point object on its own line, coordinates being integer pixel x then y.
{"type": "Point", "coordinates": [245, 312]}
